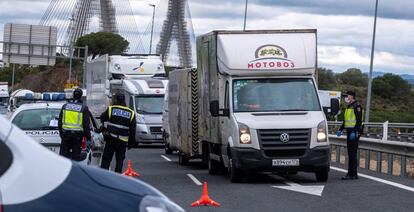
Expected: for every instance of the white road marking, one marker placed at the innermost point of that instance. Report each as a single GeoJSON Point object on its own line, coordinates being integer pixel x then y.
{"type": "Point", "coordinates": [194, 179]}
{"type": "Point", "coordinates": [165, 157]}
{"type": "Point", "coordinates": [316, 190]}
{"type": "Point", "coordinates": [401, 186]}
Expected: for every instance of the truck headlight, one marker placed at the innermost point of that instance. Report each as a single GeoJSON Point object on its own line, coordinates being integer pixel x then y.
{"type": "Point", "coordinates": [158, 204]}
{"type": "Point", "coordinates": [321, 134]}
{"type": "Point", "coordinates": [140, 119]}
{"type": "Point", "coordinates": [244, 132]}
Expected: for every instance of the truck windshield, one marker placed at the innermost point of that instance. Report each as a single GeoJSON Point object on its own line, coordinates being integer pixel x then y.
{"type": "Point", "coordinates": [4, 101]}
{"type": "Point", "coordinates": [149, 104]}
{"type": "Point", "coordinates": [267, 95]}
{"type": "Point", "coordinates": [37, 119]}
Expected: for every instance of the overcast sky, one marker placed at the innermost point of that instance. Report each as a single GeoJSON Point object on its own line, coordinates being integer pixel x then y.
{"type": "Point", "coordinates": [344, 26]}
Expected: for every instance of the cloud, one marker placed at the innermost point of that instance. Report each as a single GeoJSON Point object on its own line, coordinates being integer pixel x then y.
{"type": "Point", "coordinates": [394, 9]}
{"type": "Point", "coordinates": [344, 26]}
{"type": "Point", "coordinates": [347, 56]}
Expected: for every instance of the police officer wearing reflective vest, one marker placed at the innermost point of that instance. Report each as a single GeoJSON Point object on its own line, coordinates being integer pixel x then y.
{"type": "Point", "coordinates": [119, 130]}
{"type": "Point", "coordinates": [73, 125]}
{"type": "Point", "coordinates": [353, 123]}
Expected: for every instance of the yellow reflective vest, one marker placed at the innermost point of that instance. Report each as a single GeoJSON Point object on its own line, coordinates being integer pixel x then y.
{"type": "Point", "coordinates": [72, 117]}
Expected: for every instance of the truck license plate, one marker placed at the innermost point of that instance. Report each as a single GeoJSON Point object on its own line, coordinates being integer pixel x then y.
{"type": "Point", "coordinates": [285, 162]}
{"type": "Point", "coordinates": [54, 149]}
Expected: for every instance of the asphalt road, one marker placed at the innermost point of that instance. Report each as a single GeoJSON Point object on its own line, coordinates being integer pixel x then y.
{"type": "Point", "coordinates": [258, 193]}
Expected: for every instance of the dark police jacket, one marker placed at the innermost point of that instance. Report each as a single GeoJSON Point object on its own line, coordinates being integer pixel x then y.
{"type": "Point", "coordinates": [123, 117]}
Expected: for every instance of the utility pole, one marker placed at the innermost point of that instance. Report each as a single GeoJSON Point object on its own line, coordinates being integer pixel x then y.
{"type": "Point", "coordinates": [152, 25]}
{"type": "Point", "coordinates": [14, 71]}
{"type": "Point", "coordinates": [371, 64]}
{"type": "Point", "coordinates": [245, 15]}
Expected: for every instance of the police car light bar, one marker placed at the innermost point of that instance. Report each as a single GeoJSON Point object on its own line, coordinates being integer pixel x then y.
{"type": "Point", "coordinates": [46, 96]}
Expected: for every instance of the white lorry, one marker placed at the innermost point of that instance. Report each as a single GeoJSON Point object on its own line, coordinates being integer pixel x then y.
{"type": "Point", "coordinates": [20, 97]}
{"type": "Point", "coordinates": [4, 97]}
{"type": "Point", "coordinates": [141, 78]}
{"type": "Point", "coordinates": [251, 105]}
{"type": "Point", "coordinates": [326, 99]}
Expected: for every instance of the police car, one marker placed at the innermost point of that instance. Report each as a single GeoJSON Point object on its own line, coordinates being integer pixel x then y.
{"type": "Point", "coordinates": [40, 121]}
{"type": "Point", "coordinates": [33, 178]}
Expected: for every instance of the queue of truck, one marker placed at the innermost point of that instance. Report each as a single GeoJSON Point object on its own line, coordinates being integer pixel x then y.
{"type": "Point", "coordinates": [246, 108]}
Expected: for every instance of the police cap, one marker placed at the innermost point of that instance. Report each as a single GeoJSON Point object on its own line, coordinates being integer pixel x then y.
{"type": "Point", "coordinates": [77, 93]}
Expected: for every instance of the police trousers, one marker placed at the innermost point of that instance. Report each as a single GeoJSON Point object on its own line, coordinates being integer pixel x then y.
{"type": "Point", "coordinates": [352, 147]}
{"type": "Point", "coordinates": [71, 145]}
{"type": "Point", "coordinates": [117, 147]}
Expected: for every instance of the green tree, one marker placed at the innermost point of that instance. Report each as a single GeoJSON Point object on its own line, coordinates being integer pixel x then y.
{"type": "Point", "coordinates": [390, 86]}
{"type": "Point", "coordinates": [354, 77]}
{"type": "Point", "coordinates": [103, 43]}
{"type": "Point", "coordinates": [326, 79]}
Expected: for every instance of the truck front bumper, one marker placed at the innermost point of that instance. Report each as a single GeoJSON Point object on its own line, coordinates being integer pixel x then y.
{"type": "Point", "coordinates": [144, 134]}
{"type": "Point", "coordinates": [253, 160]}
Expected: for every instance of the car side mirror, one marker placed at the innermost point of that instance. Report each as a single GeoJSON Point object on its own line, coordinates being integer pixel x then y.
{"type": "Point", "coordinates": [334, 106]}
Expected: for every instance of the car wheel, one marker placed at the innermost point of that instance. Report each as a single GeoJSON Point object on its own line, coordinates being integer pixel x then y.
{"type": "Point", "coordinates": [322, 175]}
{"type": "Point", "coordinates": [89, 159]}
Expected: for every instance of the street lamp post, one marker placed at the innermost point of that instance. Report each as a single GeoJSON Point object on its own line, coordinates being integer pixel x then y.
{"type": "Point", "coordinates": [245, 15]}
{"type": "Point", "coordinates": [152, 25]}
{"type": "Point", "coordinates": [371, 65]}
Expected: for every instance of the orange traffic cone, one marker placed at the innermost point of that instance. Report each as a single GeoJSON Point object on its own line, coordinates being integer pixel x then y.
{"type": "Point", "coordinates": [205, 199]}
{"type": "Point", "coordinates": [130, 172]}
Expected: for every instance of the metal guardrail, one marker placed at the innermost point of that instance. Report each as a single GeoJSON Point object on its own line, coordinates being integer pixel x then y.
{"type": "Point", "coordinates": [373, 150]}
{"type": "Point", "coordinates": [403, 132]}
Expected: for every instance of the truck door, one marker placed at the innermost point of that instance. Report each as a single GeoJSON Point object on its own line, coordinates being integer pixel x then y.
{"type": "Point", "coordinates": [226, 129]}
{"type": "Point", "coordinates": [213, 90]}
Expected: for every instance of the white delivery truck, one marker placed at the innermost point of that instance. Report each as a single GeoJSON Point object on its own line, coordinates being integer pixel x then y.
{"type": "Point", "coordinates": [251, 105]}
{"type": "Point", "coordinates": [4, 97]}
{"type": "Point", "coordinates": [328, 99]}
{"type": "Point", "coordinates": [141, 78]}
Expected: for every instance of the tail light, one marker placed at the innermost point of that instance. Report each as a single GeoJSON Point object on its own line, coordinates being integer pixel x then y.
{"type": "Point", "coordinates": [83, 145]}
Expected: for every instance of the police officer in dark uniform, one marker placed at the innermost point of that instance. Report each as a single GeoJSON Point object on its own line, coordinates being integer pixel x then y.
{"type": "Point", "coordinates": [353, 123]}
{"type": "Point", "coordinates": [119, 130]}
{"type": "Point", "coordinates": [73, 125]}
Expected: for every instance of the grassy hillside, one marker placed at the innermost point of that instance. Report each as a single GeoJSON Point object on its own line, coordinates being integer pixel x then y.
{"type": "Point", "coordinates": [392, 96]}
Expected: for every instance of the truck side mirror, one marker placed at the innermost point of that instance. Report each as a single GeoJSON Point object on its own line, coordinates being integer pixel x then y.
{"type": "Point", "coordinates": [214, 108]}
{"type": "Point", "coordinates": [334, 106]}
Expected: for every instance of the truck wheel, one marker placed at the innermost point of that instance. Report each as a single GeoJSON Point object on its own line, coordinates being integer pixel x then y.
{"type": "Point", "coordinates": [182, 159]}
{"type": "Point", "coordinates": [168, 151]}
{"type": "Point", "coordinates": [213, 166]}
{"type": "Point", "coordinates": [235, 174]}
{"type": "Point", "coordinates": [322, 175]}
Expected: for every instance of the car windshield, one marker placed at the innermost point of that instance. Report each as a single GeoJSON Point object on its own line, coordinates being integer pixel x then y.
{"type": "Point", "coordinates": [37, 119]}
{"type": "Point", "coordinates": [267, 95]}
{"type": "Point", "coordinates": [20, 102]}
{"type": "Point", "coordinates": [149, 104]}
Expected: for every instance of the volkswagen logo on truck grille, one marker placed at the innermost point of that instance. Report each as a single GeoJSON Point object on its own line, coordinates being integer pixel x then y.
{"type": "Point", "coordinates": [284, 137]}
